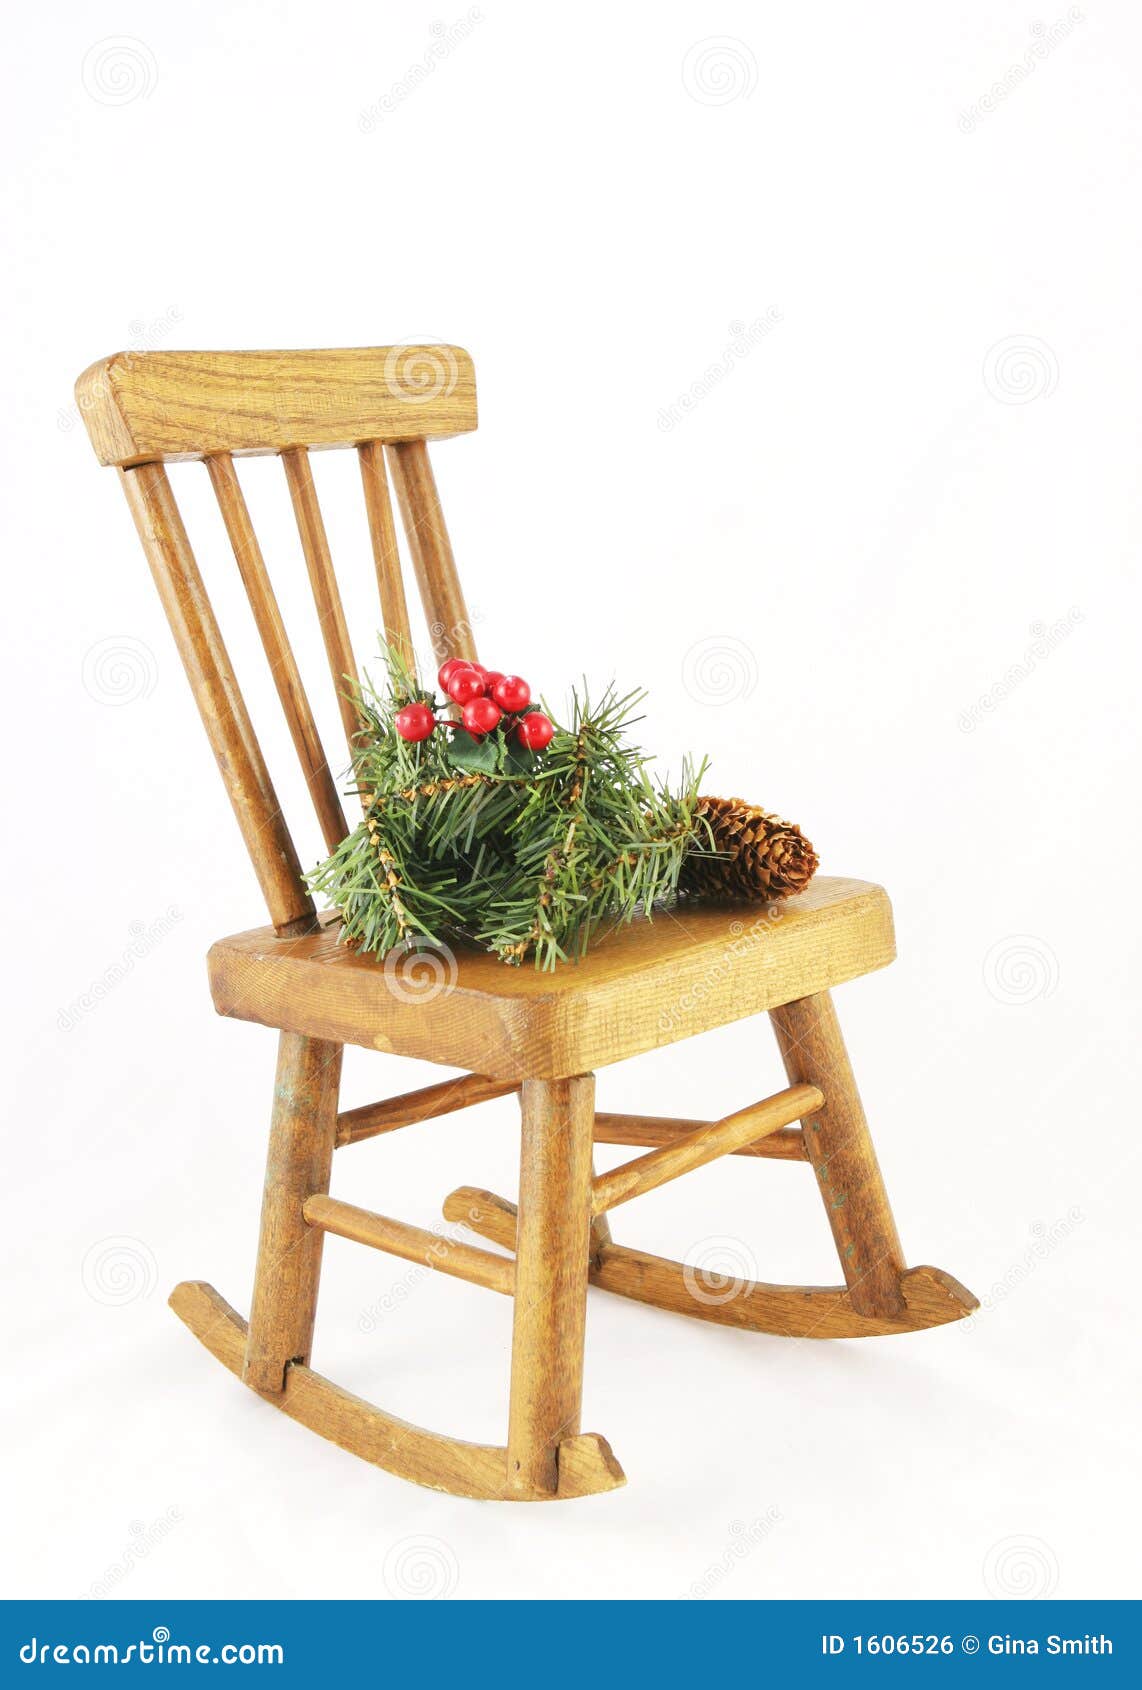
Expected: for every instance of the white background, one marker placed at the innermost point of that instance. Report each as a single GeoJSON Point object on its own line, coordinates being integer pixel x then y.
{"type": "Point", "coordinates": [820, 565]}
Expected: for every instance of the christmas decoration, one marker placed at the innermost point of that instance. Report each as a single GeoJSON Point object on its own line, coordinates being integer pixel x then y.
{"type": "Point", "coordinates": [487, 822]}
{"type": "Point", "coordinates": [754, 855]}
{"type": "Point", "coordinates": [480, 716]}
{"type": "Point", "coordinates": [535, 731]}
{"type": "Point", "coordinates": [511, 693]}
{"type": "Point", "coordinates": [447, 670]}
{"type": "Point", "coordinates": [465, 684]}
{"type": "Point", "coordinates": [414, 722]}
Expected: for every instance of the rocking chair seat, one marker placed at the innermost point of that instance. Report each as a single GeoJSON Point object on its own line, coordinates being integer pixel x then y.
{"type": "Point", "coordinates": [642, 986]}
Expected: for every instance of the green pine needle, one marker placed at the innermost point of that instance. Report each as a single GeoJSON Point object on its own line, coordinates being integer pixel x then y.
{"type": "Point", "coordinates": [525, 855]}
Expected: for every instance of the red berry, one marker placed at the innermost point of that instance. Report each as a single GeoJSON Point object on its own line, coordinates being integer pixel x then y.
{"type": "Point", "coordinates": [492, 678]}
{"type": "Point", "coordinates": [535, 731]}
{"type": "Point", "coordinates": [447, 670]}
{"type": "Point", "coordinates": [464, 684]}
{"type": "Point", "coordinates": [480, 716]}
{"type": "Point", "coordinates": [512, 694]}
{"type": "Point", "coordinates": [414, 722]}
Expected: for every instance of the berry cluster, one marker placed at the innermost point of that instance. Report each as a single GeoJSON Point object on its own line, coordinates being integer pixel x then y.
{"type": "Point", "coordinates": [488, 700]}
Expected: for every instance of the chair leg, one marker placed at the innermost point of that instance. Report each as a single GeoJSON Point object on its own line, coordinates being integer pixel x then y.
{"type": "Point", "coordinates": [302, 1131]}
{"type": "Point", "coordinates": [841, 1151]}
{"type": "Point", "coordinates": [548, 1458]}
{"type": "Point", "coordinates": [552, 1248]}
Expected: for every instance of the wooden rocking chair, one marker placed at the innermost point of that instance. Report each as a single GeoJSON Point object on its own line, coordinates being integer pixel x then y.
{"type": "Point", "coordinates": [508, 1029]}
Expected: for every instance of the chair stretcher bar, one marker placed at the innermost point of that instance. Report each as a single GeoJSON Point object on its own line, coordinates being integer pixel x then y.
{"type": "Point", "coordinates": [354, 1125]}
{"type": "Point", "coordinates": [787, 1144]}
{"type": "Point", "coordinates": [412, 1243]}
{"type": "Point", "coordinates": [705, 1144]}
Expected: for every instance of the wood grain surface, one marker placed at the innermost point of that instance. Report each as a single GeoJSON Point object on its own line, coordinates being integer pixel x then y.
{"type": "Point", "coordinates": [587, 1463]}
{"type": "Point", "coordinates": [841, 1150]}
{"type": "Point", "coordinates": [298, 1160]}
{"type": "Point", "coordinates": [140, 407]}
{"type": "Point", "coordinates": [641, 987]}
{"type": "Point", "coordinates": [929, 1296]}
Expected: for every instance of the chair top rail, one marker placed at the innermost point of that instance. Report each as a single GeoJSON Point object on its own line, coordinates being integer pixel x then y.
{"type": "Point", "coordinates": [145, 407]}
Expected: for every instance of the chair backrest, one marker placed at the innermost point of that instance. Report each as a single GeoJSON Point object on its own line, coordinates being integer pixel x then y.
{"type": "Point", "coordinates": [144, 410]}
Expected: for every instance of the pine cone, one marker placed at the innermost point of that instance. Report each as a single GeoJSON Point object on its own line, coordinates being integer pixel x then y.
{"type": "Point", "coordinates": [760, 857]}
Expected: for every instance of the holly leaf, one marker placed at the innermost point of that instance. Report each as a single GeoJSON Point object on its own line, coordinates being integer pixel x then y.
{"type": "Point", "coordinates": [474, 756]}
{"type": "Point", "coordinates": [518, 760]}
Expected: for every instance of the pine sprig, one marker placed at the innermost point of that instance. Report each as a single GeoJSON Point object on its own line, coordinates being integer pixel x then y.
{"type": "Point", "coordinates": [526, 855]}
